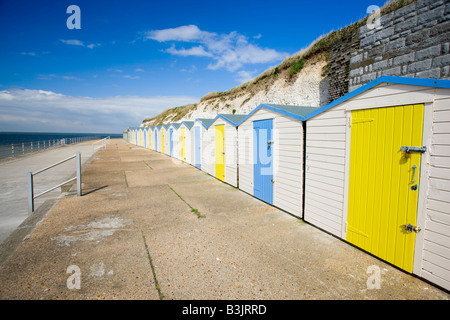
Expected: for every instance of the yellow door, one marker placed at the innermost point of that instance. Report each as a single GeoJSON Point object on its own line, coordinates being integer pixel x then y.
{"type": "Point", "coordinates": [384, 182]}
{"type": "Point", "coordinates": [149, 138]}
{"type": "Point", "coordinates": [220, 151]}
{"type": "Point", "coordinates": [183, 144]}
{"type": "Point", "coordinates": [140, 138]}
{"type": "Point", "coordinates": [162, 140]}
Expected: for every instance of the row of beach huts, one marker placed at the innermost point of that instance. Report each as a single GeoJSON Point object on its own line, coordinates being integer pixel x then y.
{"type": "Point", "coordinates": [371, 168]}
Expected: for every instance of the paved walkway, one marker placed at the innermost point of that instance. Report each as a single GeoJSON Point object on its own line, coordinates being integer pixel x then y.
{"type": "Point", "coordinates": [150, 227]}
{"type": "Point", "coordinates": [13, 182]}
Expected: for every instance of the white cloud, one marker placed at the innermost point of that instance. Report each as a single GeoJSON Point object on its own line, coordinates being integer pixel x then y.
{"type": "Point", "coordinates": [194, 51]}
{"type": "Point", "coordinates": [188, 33]}
{"type": "Point", "coordinates": [73, 42]}
{"type": "Point", "coordinates": [80, 43]}
{"type": "Point", "coordinates": [229, 51]}
{"type": "Point", "coordinates": [47, 111]}
{"type": "Point", "coordinates": [139, 70]}
{"type": "Point", "coordinates": [244, 76]}
{"type": "Point", "coordinates": [114, 70]}
{"type": "Point", "coordinates": [53, 76]}
{"type": "Point", "coordinates": [33, 54]}
{"type": "Point", "coordinates": [127, 76]}
{"type": "Point", "coordinates": [191, 69]}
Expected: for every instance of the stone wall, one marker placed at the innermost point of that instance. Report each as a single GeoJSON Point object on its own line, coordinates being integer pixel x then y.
{"type": "Point", "coordinates": [339, 66]}
{"type": "Point", "coordinates": [412, 42]}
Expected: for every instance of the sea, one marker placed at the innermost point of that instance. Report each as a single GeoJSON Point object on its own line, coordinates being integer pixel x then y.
{"type": "Point", "coordinates": [14, 144]}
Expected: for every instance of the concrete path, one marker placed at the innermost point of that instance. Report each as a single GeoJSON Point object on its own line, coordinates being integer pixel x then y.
{"type": "Point", "coordinates": [13, 182]}
{"type": "Point", "coordinates": [151, 227]}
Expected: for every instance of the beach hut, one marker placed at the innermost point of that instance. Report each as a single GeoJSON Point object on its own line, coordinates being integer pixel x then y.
{"type": "Point", "coordinates": [155, 138]}
{"type": "Point", "coordinates": [271, 153]}
{"type": "Point", "coordinates": [149, 137]}
{"type": "Point", "coordinates": [166, 137]}
{"type": "Point", "coordinates": [378, 173]}
{"type": "Point", "coordinates": [159, 138]}
{"type": "Point", "coordinates": [135, 135]}
{"type": "Point", "coordinates": [222, 133]}
{"type": "Point", "coordinates": [199, 129]}
{"type": "Point", "coordinates": [186, 141]}
{"type": "Point", "coordinates": [174, 133]}
{"type": "Point", "coordinates": [140, 136]}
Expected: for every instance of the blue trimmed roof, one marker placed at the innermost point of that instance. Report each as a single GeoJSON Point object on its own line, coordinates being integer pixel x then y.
{"type": "Point", "coordinates": [205, 122]}
{"type": "Point", "coordinates": [175, 125]}
{"type": "Point", "coordinates": [434, 83]}
{"type": "Point", "coordinates": [188, 124]}
{"type": "Point", "coordinates": [296, 112]}
{"type": "Point", "coordinates": [233, 119]}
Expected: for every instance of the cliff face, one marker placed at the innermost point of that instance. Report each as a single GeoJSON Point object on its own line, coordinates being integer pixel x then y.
{"type": "Point", "coordinates": [308, 87]}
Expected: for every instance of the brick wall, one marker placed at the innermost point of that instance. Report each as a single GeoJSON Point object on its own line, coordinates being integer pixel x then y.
{"type": "Point", "coordinates": [412, 42]}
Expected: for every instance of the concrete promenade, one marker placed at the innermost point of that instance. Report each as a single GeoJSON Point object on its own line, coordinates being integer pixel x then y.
{"type": "Point", "coordinates": [13, 182]}
{"type": "Point", "coordinates": [151, 227]}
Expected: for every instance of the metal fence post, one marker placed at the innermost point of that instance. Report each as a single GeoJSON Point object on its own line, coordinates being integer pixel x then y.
{"type": "Point", "coordinates": [79, 173]}
{"type": "Point", "coordinates": [30, 193]}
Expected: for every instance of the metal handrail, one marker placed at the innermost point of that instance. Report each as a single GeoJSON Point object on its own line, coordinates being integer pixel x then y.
{"type": "Point", "coordinates": [104, 143]}
{"type": "Point", "coordinates": [30, 175]}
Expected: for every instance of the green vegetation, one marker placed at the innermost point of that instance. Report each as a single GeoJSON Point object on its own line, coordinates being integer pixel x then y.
{"type": "Point", "coordinates": [297, 67]}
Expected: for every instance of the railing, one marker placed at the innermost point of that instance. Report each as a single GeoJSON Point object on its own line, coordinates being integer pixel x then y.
{"type": "Point", "coordinates": [21, 148]}
{"type": "Point", "coordinates": [31, 195]}
{"type": "Point", "coordinates": [100, 141]}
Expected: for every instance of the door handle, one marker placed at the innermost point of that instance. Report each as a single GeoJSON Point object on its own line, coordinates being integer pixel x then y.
{"type": "Point", "coordinates": [414, 174]}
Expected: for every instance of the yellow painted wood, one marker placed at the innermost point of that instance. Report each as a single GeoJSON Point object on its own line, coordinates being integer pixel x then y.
{"type": "Point", "coordinates": [220, 151]}
{"type": "Point", "coordinates": [162, 140]}
{"type": "Point", "coordinates": [183, 143]}
{"type": "Point", "coordinates": [381, 201]}
{"type": "Point", "coordinates": [140, 138]}
{"type": "Point", "coordinates": [149, 139]}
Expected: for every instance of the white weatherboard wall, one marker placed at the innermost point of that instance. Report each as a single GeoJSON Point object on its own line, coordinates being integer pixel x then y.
{"type": "Point", "coordinates": [327, 171]}
{"type": "Point", "coordinates": [231, 152]}
{"type": "Point", "coordinates": [188, 142]}
{"type": "Point", "coordinates": [287, 159]}
{"type": "Point", "coordinates": [203, 131]}
{"type": "Point", "coordinates": [161, 131]}
{"type": "Point", "coordinates": [176, 142]}
{"type": "Point", "coordinates": [152, 137]}
{"type": "Point", "coordinates": [166, 141]}
{"type": "Point", "coordinates": [208, 149]}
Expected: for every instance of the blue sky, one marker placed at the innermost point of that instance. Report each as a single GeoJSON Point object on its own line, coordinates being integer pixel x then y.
{"type": "Point", "coordinates": [132, 59]}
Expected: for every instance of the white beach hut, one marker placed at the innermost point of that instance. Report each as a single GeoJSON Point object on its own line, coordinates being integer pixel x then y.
{"type": "Point", "coordinates": [271, 153]}
{"type": "Point", "coordinates": [166, 138]}
{"type": "Point", "coordinates": [378, 173]}
{"type": "Point", "coordinates": [222, 137]}
{"type": "Point", "coordinates": [186, 141]}
{"type": "Point", "coordinates": [150, 137]}
{"type": "Point", "coordinates": [174, 136]}
{"type": "Point", "coordinates": [160, 132]}
{"type": "Point", "coordinates": [199, 131]}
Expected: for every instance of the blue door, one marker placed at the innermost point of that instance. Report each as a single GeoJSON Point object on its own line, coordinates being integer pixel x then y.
{"type": "Point", "coordinates": [145, 138]}
{"type": "Point", "coordinates": [171, 142]}
{"type": "Point", "coordinates": [197, 148]}
{"type": "Point", "coordinates": [156, 140]}
{"type": "Point", "coordinates": [263, 160]}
